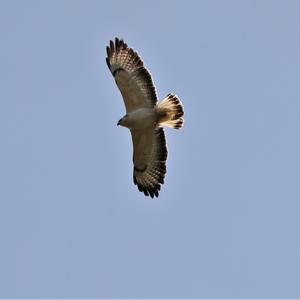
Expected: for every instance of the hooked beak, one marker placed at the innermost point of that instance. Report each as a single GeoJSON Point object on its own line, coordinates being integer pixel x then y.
{"type": "Point", "coordinates": [119, 122]}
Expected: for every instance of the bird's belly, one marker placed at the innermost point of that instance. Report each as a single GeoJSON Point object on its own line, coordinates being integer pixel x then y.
{"type": "Point", "coordinates": [142, 118]}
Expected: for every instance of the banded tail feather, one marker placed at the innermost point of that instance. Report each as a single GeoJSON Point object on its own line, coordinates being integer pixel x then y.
{"type": "Point", "coordinates": [171, 111]}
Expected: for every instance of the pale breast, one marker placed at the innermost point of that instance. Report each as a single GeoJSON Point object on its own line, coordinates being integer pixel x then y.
{"type": "Point", "coordinates": [142, 118]}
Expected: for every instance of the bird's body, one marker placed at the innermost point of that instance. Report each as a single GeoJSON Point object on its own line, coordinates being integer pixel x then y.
{"type": "Point", "coordinates": [140, 118]}
{"type": "Point", "coordinates": [144, 116]}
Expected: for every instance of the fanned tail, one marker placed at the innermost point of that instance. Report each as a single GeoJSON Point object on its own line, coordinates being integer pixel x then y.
{"type": "Point", "coordinates": [170, 112]}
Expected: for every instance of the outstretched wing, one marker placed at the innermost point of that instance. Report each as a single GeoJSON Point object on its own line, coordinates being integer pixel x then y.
{"type": "Point", "coordinates": [132, 78]}
{"type": "Point", "coordinates": [149, 159]}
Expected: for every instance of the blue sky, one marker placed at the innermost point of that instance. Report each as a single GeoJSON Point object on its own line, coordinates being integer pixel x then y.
{"type": "Point", "coordinates": [226, 224]}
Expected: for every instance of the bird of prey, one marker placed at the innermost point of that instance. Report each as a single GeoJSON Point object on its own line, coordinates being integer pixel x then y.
{"type": "Point", "coordinates": [144, 116]}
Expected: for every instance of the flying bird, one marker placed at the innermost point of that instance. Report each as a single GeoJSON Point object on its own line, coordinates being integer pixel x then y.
{"type": "Point", "coordinates": [144, 116]}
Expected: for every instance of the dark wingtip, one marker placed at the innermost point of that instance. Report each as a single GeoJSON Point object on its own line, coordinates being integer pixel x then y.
{"type": "Point", "coordinates": [108, 63]}
{"type": "Point", "coordinates": [117, 43]}
{"type": "Point", "coordinates": [122, 44]}
{"type": "Point", "coordinates": [108, 51]}
{"type": "Point", "coordinates": [112, 46]}
{"type": "Point", "coordinates": [151, 193]}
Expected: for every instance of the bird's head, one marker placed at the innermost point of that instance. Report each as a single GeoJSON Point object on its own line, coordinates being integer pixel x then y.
{"type": "Point", "coordinates": [122, 121]}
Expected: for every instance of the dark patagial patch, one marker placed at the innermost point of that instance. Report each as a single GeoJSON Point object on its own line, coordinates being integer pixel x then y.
{"type": "Point", "coordinates": [140, 169]}
{"type": "Point", "coordinates": [117, 70]}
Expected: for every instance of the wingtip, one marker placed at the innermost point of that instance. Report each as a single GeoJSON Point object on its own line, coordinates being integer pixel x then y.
{"type": "Point", "coordinates": [107, 62]}
{"type": "Point", "coordinates": [112, 46]}
{"type": "Point", "coordinates": [108, 51]}
{"type": "Point", "coordinates": [120, 44]}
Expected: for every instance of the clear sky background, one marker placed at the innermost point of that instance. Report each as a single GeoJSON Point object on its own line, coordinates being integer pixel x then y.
{"type": "Point", "coordinates": [226, 224]}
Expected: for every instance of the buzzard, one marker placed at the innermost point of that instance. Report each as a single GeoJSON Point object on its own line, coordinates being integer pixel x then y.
{"type": "Point", "coordinates": [144, 116]}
